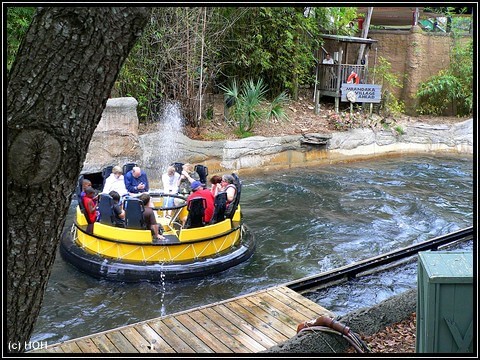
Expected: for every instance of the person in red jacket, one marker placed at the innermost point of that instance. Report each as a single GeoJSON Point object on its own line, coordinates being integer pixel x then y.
{"type": "Point", "coordinates": [90, 204]}
{"type": "Point", "coordinates": [198, 190]}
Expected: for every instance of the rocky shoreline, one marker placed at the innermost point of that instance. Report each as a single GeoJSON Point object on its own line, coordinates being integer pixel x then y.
{"type": "Point", "coordinates": [116, 141]}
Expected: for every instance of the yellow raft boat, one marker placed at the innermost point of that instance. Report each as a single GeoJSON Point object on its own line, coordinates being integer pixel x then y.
{"type": "Point", "coordinates": [130, 254]}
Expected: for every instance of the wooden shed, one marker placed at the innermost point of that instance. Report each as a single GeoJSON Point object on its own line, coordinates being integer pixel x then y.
{"type": "Point", "coordinates": [331, 76]}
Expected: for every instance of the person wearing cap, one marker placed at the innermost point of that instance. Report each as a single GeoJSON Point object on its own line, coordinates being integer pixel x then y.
{"type": "Point", "coordinates": [115, 182]}
{"type": "Point", "coordinates": [198, 190]}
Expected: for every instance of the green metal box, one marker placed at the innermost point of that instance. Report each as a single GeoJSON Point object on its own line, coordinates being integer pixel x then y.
{"type": "Point", "coordinates": [445, 302]}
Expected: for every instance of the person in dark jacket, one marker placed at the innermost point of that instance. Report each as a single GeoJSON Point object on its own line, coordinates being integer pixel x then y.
{"type": "Point", "coordinates": [136, 181]}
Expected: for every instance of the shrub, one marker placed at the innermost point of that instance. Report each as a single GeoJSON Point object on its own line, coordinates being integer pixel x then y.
{"type": "Point", "coordinates": [451, 88]}
{"type": "Point", "coordinates": [247, 105]}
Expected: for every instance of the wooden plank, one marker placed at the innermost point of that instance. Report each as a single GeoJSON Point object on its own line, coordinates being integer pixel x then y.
{"type": "Point", "coordinates": [270, 317]}
{"type": "Point", "coordinates": [70, 347]}
{"type": "Point", "coordinates": [262, 339]}
{"type": "Point", "coordinates": [87, 346]}
{"type": "Point", "coordinates": [317, 309]}
{"type": "Point", "coordinates": [220, 333]}
{"type": "Point", "coordinates": [248, 323]}
{"type": "Point", "coordinates": [104, 344]}
{"type": "Point", "coordinates": [194, 342]}
{"type": "Point", "coordinates": [121, 342]}
{"type": "Point", "coordinates": [158, 344]}
{"type": "Point", "coordinates": [56, 349]}
{"type": "Point", "coordinates": [202, 334]}
{"type": "Point", "coordinates": [298, 311]}
{"type": "Point", "coordinates": [170, 337]}
{"type": "Point", "coordinates": [287, 315]}
{"type": "Point", "coordinates": [234, 331]}
{"type": "Point", "coordinates": [140, 343]}
{"type": "Point", "coordinates": [256, 322]}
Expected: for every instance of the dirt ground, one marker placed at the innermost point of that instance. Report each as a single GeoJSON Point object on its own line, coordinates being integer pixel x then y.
{"type": "Point", "coordinates": [302, 119]}
{"type": "Point", "coordinates": [398, 338]}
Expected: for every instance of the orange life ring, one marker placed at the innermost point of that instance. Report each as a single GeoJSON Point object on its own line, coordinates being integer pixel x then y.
{"type": "Point", "coordinates": [353, 77]}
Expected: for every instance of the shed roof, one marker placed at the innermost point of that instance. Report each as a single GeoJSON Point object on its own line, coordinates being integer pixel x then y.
{"type": "Point", "coordinates": [400, 15]}
{"type": "Point", "coordinates": [348, 39]}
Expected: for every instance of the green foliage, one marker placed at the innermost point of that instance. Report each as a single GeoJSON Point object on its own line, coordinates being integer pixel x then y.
{"type": "Point", "coordinates": [272, 43]}
{"type": "Point", "coordinates": [382, 73]}
{"type": "Point", "coordinates": [178, 48]}
{"type": "Point", "coordinates": [337, 20]}
{"type": "Point", "coordinates": [399, 130]}
{"type": "Point", "coordinates": [248, 104]}
{"type": "Point", "coordinates": [243, 134]}
{"type": "Point", "coordinates": [215, 136]}
{"type": "Point", "coordinates": [18, 22]}
{"type": "Point", "coordinates": [246, 109]}
{"type": "Point", "coordinates": [277, 110]}
{"type": "Point", "coordinates": [438, 93]}
{"type": "Point", "coordinates": [209, 113]}
{"type": "Point", "coordinates": [451, 88]}
{"type": "Point", "coordinates": [140, 76]}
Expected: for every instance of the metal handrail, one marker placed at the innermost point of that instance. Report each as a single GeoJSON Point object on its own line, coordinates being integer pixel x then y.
{"type": "Point", "coordinates": [351, 270]}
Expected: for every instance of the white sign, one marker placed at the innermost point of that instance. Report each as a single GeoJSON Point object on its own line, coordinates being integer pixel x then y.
{"type": "Point", "coordinates": [361, 93]}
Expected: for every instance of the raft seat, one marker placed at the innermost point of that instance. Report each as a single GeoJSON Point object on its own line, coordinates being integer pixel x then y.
{"type": "Point", "coordinates": [134, 214]}
{"type": "Point", "coordinates": [205, 232]}
{"type": "Point", "coordinates": [121, 234]}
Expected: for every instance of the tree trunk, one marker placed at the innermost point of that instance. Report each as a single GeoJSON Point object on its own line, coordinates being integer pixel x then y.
{"type": "Point", "coordinates": [200, 85]}
{"type": "Point", "coordinates": [366, 27]}
{"type": "Point", "coordinates": [58, 87]}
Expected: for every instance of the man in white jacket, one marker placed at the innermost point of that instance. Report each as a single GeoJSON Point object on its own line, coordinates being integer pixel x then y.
{"type": "Point", "coordinates": [115, 182]}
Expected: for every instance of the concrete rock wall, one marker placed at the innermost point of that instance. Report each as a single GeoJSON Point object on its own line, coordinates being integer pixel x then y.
{"type": "Point", "coordinates": [116, 141]}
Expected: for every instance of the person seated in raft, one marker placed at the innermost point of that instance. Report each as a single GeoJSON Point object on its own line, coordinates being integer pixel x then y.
{"type": "Point", "coordinates": [115, 182]}
{"type": "Point", "coordinates": [85, 183]}
{"type": "Point", "coordinates": [188, 176]}
{"type": "Point", "coordinates": [216, 181]}
{"type": "Point", "coordinates": [90, 204]}
{"type": "Point", "coordinates": [149, 218]}
{"type": "Point", "coordinates": [170, 181]}
{"type": "Point", "coordinates": [198, 190]}
{"type": "Point", "coordinates": [118, 212]}
{"type": "Point", "coordinates": [136, 181]}
{"type": "Point", "coordinates": [229, 187]}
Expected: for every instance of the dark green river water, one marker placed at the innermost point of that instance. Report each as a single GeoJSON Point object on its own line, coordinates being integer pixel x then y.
{"type": "Point", "coordinates": [306, 221]}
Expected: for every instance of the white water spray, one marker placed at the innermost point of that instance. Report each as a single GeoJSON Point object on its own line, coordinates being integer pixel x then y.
{"type": "Point", "coordinates": [170, 127]}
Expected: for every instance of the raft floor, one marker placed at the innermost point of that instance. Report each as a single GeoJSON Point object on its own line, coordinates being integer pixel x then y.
{"type": "Point", "coordinates": [246, 324]}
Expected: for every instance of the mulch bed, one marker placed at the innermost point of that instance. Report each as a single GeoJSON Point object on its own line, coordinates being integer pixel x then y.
{"type": "Point", "coordinates": [398, 338]}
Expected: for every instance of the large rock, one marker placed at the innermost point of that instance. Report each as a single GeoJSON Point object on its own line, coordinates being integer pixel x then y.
{"type": "Point", "coordinates": [115, 140]}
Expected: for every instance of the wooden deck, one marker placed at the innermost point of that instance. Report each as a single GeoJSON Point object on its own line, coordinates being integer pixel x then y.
{"type": "Point", "coordinates": [245, 324]}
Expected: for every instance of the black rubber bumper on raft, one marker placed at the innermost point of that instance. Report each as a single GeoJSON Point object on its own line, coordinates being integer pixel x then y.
{"type": "Point", "coordinates": [120, 271]}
